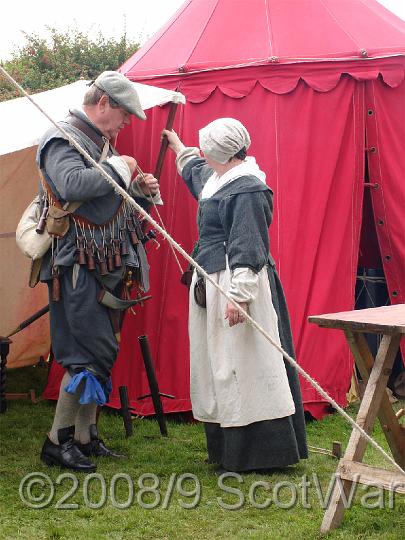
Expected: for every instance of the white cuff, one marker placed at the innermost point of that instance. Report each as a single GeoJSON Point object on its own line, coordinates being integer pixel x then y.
{"type": "Point", "coordinates": [135, 190]}
{"type": "Point", "coordinates": [244, 285]}
{"type": "Point", "coordinates": [156, 199]}
{"type": "Point", "coordinates": [121, 168]}
{"type": "Point", "coordinates": [185, 155]}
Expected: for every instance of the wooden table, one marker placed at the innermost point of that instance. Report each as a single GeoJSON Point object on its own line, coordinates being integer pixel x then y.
{"type": "Point", "coordinates": [390, 322]}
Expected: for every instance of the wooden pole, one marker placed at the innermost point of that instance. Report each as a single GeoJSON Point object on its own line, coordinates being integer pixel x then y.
{"type": "Point", "coordinates": [165, 142]}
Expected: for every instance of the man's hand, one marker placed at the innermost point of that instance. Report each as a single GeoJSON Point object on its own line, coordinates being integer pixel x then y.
{"type": "Point", "coordinates": [131, 162]}
{"type": "Point", "coordinates": [233, 315]}
{"type": "Point", "coordinates": [149, 184]}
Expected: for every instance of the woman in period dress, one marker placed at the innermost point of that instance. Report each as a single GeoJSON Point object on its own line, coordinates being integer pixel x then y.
{"type": "Point", "coordinates": [241, 388]}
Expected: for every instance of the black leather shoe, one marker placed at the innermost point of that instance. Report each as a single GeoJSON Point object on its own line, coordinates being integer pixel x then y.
{"type": "Point", "coordinates": [66, 454]}
{"type": "Point", "coordinates": [96, 446]}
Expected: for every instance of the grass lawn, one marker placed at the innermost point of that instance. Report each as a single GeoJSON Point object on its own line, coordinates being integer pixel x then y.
{"type": "Point", "coordinates": [164, 490]}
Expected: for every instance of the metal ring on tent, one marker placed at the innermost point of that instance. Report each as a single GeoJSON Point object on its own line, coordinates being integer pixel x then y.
{"type": "Point", "coordinates": [373, 185]}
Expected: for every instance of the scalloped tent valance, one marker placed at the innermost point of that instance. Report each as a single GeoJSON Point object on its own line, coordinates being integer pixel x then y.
{"type": "Point", "coordinates": [240, 82]}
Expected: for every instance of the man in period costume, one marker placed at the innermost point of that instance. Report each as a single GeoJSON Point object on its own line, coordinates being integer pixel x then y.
{"type": "Point", "coordinates": [93, 262]}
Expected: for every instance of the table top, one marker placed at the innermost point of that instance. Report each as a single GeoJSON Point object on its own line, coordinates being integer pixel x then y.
{"type": "Point", "coordinates": [379, 320]}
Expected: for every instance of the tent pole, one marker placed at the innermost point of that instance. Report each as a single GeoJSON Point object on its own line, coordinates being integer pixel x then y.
{"type": "Point", "coordinates": [165, 142]}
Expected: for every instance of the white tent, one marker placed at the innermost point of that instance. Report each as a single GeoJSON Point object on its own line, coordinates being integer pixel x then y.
{"type": "Point", "coordinates": [22, 125]}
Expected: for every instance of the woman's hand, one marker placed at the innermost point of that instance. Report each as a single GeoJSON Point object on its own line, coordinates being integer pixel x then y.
{"type": "Point", "coordinates": [233, 315]}
{"type": "Point", "coordinates": [175, 143]}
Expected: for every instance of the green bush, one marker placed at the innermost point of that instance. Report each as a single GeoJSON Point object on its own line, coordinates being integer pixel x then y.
{"type": "Point", "coordinates": [61, 58]}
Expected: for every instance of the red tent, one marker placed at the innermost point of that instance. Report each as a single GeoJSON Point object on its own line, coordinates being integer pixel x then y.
{"type": "Point", "coordinates": [319, 85]}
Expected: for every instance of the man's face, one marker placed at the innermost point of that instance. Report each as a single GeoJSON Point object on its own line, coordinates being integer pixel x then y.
{"type": "Point", "coordinates": [115, 120]}
{"type": "Point", "coordinates": [110, 120]}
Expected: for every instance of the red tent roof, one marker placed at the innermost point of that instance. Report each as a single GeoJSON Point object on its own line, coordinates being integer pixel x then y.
{"type": "Point", "coordinates": [212, 34]}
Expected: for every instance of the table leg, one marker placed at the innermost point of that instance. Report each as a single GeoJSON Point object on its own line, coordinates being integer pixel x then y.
{"type": "Point", "coordinates": [366, 417]}
{"type": "Point", "coordinates": [386, 415]}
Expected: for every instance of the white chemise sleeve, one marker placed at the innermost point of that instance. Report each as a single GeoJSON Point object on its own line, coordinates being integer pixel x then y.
{"type": "Point", "coordinates": [185, 155]}
{"type": "Point", "coordinates": [244, 285]}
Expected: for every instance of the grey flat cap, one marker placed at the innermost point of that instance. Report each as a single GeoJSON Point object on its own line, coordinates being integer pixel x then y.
{"type": "Point", "coordinates": [121, 90]}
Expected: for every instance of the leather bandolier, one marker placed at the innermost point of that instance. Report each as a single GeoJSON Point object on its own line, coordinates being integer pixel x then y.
{"type": "Point", "coordinates": [100, 247]}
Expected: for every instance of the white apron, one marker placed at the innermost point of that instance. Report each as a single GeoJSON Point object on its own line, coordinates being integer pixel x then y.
{"type": "Point", "coordinates": [237, 377]}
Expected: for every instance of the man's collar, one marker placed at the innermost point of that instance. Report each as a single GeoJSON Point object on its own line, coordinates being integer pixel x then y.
{"type": "Point", "coordinates": [81, 121]}
{"type": "Point", "coordinates": [79, 113]}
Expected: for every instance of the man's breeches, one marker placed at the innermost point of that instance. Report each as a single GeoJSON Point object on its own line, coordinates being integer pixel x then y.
{"type": "Point", "coordinates": [81, 330]}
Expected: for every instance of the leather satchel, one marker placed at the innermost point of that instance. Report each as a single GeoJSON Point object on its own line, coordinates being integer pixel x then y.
{"type": "Point", "coordinates": [200, 293]}
{"type": "Point", "coordinates": [187, 276]}
{"type": "Point", "coordinates": [32, 244]}
{"type": "Point", "coordinates": [57, 221]}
